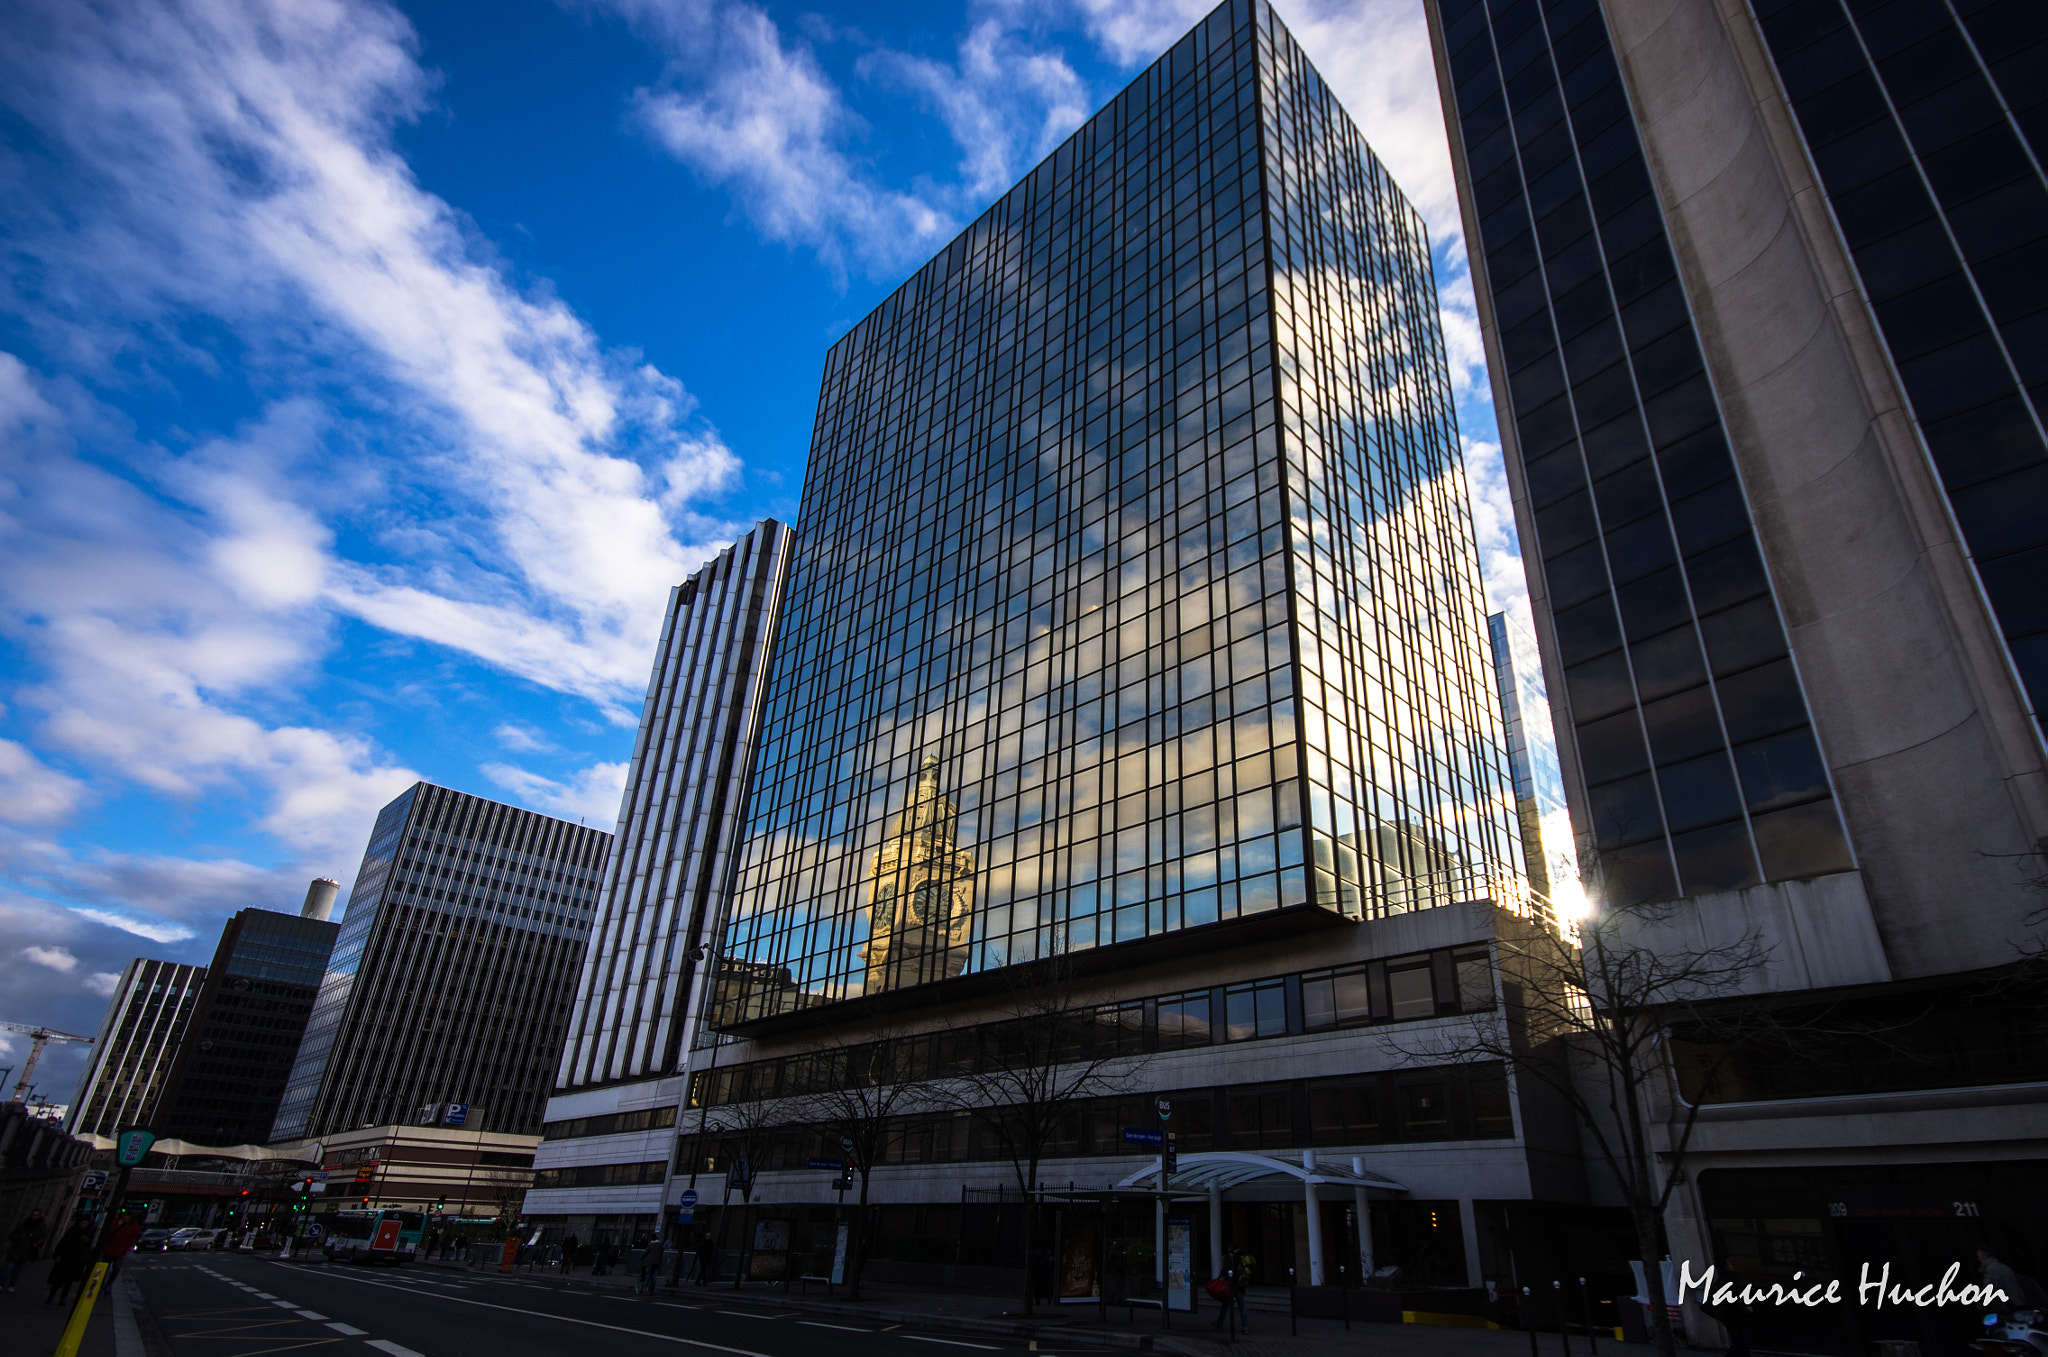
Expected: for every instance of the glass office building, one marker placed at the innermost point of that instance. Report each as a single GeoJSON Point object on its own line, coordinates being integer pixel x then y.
{"type": "Point", "coordinates": [1136, 599]}
{"type": "Point", "coordinates": [452, 974]}
{"type": "Point", "coordinates": [238, 1052]}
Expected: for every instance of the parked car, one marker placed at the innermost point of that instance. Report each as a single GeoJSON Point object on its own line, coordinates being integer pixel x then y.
{"type": "Point", "coordinates": [153, 1241]}
{"type": "Point", "coordinates": [189, 1239]}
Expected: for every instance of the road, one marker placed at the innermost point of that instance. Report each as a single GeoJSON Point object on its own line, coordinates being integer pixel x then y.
{"type": "Point", "coordinates": [239, 1305]}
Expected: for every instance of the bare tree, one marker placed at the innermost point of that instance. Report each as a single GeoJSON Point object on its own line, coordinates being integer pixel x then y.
{"type": "Point", "coordinates": [1589, 1010]}
{"type": "Point", "coordinates": [1024, 1076]}
{"type": "Point", "coordinates": [743, 1133]}
{"type": "Point", "coordinates": [864, 1090]}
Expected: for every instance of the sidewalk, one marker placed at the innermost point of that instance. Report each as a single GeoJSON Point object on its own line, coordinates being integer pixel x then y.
{"type": "Point", "coordinates": [1189, 1335]}
{"type": "Point", "coordinates": [33, 1330]}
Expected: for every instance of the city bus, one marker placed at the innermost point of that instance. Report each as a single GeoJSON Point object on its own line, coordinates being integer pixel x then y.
{"type": "Point", "coordinates": [389, 1237]}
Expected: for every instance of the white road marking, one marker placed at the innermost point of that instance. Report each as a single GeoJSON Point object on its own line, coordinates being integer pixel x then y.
{"type": "Point", "coordinates": [386, 1345]}
{"type": "Point", "coordinates": [287, 1304]}
{"type": "Point", "coordinates": [310, 1314]}
{"type": "Point", "coordinates": [351, 1330]}
{"type": "Point", "coordinates": [950, 1342]}
{"type": "Point", "coordinates": [843, 1328]}
{"type": "Point", "coordinates": [586, 1323]}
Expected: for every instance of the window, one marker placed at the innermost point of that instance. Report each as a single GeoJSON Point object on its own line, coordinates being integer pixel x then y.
{"type": "Point", "coordinates": [1410, 993]}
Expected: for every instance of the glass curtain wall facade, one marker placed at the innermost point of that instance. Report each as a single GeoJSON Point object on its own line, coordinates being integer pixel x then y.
{"type": "Point", "coordinates": [1137, 590]}
{"type": "Point", "coordinates": [453, 969]}
{"type": "Point", "coordinates": [136, 1046]}
{"type": "Point", "coordinates": [671, 869]}
{"type": "Point", "coordinates": [1926, 123]}
{"type": "Point", "coordinates": [245, 1032]}
{"type": "Point", "coordinates": [1691, 726]}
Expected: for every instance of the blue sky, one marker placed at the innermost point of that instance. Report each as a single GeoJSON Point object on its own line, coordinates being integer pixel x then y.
{"type": "Point", "coordinates": [369, 372]}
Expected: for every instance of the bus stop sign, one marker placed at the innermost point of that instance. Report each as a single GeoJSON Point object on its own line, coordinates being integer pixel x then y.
{"type": "Point", "coordinates": [131, 1145]}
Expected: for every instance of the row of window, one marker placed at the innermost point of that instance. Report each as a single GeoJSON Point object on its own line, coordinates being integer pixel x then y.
{"type": "Point", "coordinates": [1450, 1102]}
{"type": "Point", "coordinates": [1398, 989]}
{"type": "Point", "coordinates": [610, 1123]}
{"type": "Point", "coordinates": [602, 1175]}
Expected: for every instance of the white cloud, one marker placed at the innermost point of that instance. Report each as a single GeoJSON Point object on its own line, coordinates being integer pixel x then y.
{"type": "Point", "coordinates": [103, 983]}
{"type": "Point", "coordinates": [31, 792]}
{"type": "Point", "coordinates": [141, 928]}
{"type": "Point", "coordinates": [591, 795]}
{"type": "Point", "coordinates": [1493, 521]}
{"type": "Point", "coordinates": [1006, 104]}
{"type": "Point", "coordinates": [56, 958]}
{"type": "Point", "coordinates": [522, 739]}
{"type": "Point", "coordinates": [517, 492]}
{"type": "Point", "coordinates": [756, 114]}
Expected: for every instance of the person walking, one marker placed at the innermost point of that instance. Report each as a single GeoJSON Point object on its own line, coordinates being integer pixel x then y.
{"type": "Point", "coordinates": [1237, 1271]}
{"type": "Point", "coordinates": [1991, 1271]}
{"type": "Point", "coordinates": [569, 1252]}
{"type": "Point", "coordinates": [120, 1239]}
{"type": "Point", "coordinates": [24, 1246]}
{"type": "Point", "coordinates": [707, 1260]}
{"type": "Point", "coordinates": [68, 1268]}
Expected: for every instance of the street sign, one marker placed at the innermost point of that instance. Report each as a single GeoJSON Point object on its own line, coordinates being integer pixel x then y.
{"type": "Point", "coordinates": [131, 1145]}
{"type": "Point", "coordinates": [685, 1215]}
{"type": "Point", "coordinates": [455, 1115]}
{"type": "Point", "coordinates": [1138, 1135]}
{"type": "Point", "coordinates": [1165, 1110]}
{"type": "Point", "coordinates": [689, 1198]}
{"type": "Point", "coordinates": [94, 1183]}
{"type": "Point", "coordinates": [828, 1163]}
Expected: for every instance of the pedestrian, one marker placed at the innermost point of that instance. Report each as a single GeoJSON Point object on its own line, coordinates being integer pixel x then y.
{"type": "Point", "coordinates": [569, 1251]}
{"type": "Point", "coordinates": [72, 1258]}
{"type": "Point", "coordinates": [24, 1246]}
{"type": "Point", "coordinates": [650, 1267]}
{"type": "Point", "coordinates": [1989, 1270]}
{"type": "Point", "coordinates": [1237, 1270]}
{"type": "Point", "coordinates": [120, 1239]}
{"type": "Point", "coordinates": [707, 1260]}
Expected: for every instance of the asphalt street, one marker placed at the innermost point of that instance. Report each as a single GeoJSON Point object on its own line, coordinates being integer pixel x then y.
{"type": "Point", "coordinates": [238, 1305]}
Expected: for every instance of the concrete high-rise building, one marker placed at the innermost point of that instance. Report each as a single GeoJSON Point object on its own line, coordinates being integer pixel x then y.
{"type": "Point", "coordinates": [137, 1044]}
{"type": "Point", "coordinates": [243, 1036]}
{"type": "Point", "coordinates": [661, 907]}
{"type": "Point", "coordinates": [1764, 289]}
{"type": "Point", "coordinates": [1135, 625]}
{"type": "Point", "coordinates": [1548, 848]}
{"type": "Point", "coordinates": [452, 972]}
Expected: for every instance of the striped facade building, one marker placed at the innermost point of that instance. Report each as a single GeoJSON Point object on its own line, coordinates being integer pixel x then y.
{"type": "Point", "coordinates": [136, 1046]}
{"type": "Point", "coordinates": [451, 978]}
{"type": "Point", "coordinates": [605, 1159]}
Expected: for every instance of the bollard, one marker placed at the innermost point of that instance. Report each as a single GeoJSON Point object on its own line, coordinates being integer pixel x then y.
{"type": "Point", "coordinates": [1564, 1334]}
{"type": "Point", "coordinates": [1586, 1308]}
{"type": "Point", "coordinates": [1529, 1323]}
{"type": "Point", "coordinates": [1344, 1296]}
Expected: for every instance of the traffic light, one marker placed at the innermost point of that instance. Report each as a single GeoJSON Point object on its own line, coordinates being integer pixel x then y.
{"type": "Point", "coordinates": [441, 1202]}
{"type": "Point", "coordinates": [1170, 1153]}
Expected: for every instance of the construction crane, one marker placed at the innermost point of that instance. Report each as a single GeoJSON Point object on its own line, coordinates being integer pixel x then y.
{"type": "Point", "coordinates": [38, 1038]}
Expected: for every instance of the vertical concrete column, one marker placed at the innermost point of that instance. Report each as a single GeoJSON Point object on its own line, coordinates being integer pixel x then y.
{"type": "Point", "coordinates": [1363, 1206]}
{"type": "Point", "coordinates": [1215, 1232]}
{"type": "Point", "coordinates": [1468, 1222]}
{"type": "Point", "coordinates": [1315, 1223]}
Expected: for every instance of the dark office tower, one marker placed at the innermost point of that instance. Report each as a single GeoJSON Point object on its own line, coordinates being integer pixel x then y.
{"type": "Point", "coordinates": [452, 974]}
{"type": "Point", "coordinates": [1548, 849]}
{"type": "Point", "coordinates": [641, 997]}
{"type": "Point", "coordinates": [1136, 565]}
{"type": "Point", "coordinates": [238, 1050]}
{"type": "Point", "coordinates": [1763, 291]}
{"type": "Point", "coordinates": [136, 1046]}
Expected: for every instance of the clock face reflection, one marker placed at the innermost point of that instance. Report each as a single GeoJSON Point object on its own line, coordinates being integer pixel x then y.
{"type": "Point", "coordinates": [927, 904]}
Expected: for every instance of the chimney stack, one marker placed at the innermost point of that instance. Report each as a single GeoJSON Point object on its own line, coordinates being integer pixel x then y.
{"type": "Point", "coordinates": [320, 898]}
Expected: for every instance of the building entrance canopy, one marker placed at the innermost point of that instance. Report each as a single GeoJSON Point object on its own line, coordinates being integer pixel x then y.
{"type": "Point", "coordinates": [1221, 1170]}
